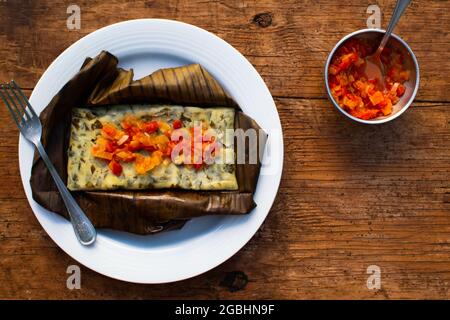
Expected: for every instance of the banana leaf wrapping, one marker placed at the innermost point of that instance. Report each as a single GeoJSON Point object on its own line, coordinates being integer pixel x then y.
{"type": "Point", "coordinates": [101, 82]}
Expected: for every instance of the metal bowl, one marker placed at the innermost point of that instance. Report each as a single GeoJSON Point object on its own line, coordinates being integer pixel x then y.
{"type": "Point", "coordinates": [411, 64]}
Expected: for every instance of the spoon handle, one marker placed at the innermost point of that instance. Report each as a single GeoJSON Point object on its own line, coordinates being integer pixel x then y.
{"type": "Point", "coordinates": [400, 7]}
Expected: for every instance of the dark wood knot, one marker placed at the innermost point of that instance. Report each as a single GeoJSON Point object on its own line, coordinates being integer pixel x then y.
{"type": "Point", "coordinates": [234, 281]}
{"type": "Point", "coordinates": [263, 20]}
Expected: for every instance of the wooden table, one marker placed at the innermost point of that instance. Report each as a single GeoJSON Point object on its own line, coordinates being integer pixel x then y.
{"type": "Point", "coordinates": [351, 195]}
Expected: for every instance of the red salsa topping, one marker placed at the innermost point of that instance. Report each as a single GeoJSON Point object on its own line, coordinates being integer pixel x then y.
{"type": "Point", "coordinates": [362, 97]}
{"type": "Point", "coordinates": [148, 143]}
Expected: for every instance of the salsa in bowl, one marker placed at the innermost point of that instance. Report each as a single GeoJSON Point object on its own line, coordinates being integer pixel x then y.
{"type": "Point", "coordinates": [366, 99]}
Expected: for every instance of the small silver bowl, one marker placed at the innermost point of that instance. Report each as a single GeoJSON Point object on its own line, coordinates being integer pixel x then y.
{"type": "Point", "coordinates": [411, 64]}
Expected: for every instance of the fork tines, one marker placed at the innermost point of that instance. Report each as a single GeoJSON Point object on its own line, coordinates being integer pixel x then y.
{"type": "Point", "coordinates": [16, 102]}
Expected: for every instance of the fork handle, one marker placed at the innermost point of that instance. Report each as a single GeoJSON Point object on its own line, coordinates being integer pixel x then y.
{"type": "Point", "coordinates": [83, 228]}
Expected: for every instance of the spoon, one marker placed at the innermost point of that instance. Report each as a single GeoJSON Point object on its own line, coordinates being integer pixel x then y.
{"type": "Point", "coordinates": [374, 68]}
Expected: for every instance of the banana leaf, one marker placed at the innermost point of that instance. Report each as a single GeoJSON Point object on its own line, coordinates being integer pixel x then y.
{"type": "Point", "coordinates": [100, 82]}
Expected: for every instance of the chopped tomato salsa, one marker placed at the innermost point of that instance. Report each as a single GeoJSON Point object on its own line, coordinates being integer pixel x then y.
{"type": "Point", "coordinates": [177, 124]}
{"type": "Point", "coordinates": [115, 167]}
{"type": "Point", "coordinates": [148, 143]}
{"type": "Point", "coordinates": [362, 97]}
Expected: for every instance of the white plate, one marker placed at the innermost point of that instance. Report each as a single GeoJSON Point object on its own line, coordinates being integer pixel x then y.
{"type": "Point", "coordinates": [147, 45]}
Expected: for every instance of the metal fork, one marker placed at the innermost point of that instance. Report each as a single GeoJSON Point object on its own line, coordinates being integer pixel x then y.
{"type": "Point", "coordinates": [30, 127]}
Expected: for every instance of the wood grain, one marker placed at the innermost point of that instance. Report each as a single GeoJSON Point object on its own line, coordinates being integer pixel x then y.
{"type": "Point", "coordinates": [351, 195]}
{"type": "Point", "coordinates": [289, 49]}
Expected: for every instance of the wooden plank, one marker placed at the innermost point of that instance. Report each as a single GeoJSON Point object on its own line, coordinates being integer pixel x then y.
{"type": "Point", "coordinates": [351, 196]}
{"type": "Point", "coordinates": [287, 41]}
